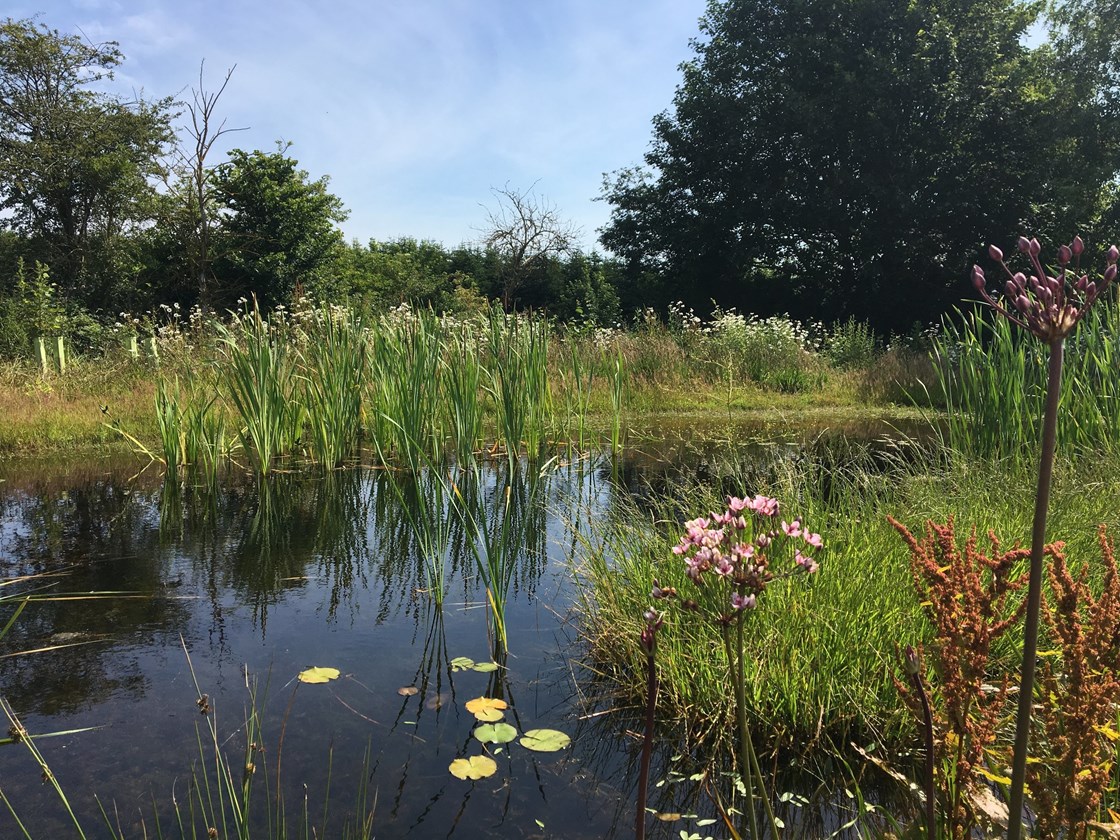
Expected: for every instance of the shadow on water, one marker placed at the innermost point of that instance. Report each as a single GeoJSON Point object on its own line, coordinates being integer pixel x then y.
{"type": "Point", "coordinates": [322, 570]}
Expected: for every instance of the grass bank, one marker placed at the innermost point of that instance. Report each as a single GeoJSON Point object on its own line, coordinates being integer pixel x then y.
{"type": "Point", "coordinates": [822, 649]}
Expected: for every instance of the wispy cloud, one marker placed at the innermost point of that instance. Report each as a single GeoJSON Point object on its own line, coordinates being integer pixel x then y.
{"type": "Point", "coordinates": [416, 109]}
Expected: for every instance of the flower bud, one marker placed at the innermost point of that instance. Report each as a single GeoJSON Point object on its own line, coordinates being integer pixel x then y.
{"type": "Point", "coordinates": [1110, 273]}
{"type": "Point", "coordinates": [978, 278]}
{"type": "Point", "coordinates": [1078, 246]}
{"type": "Point", "coordinates": [1023, 304]}
{"type": "Point", "coordinates": [1064, 255]}
{"type": "Point", "coordinates": [995, 253]}
{"type": "Point", "coordinates": [1113, 255]}
{"type": "Point", "coordinates": [1011, 290]}
{"type": "Point", "coordinates": [1024, 245]}
{"type": "Point", "coordinates": [1035, 248]}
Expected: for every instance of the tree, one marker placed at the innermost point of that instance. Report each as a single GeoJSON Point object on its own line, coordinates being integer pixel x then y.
{"type": "Point", "coordinates": [524, 230]}
{"type": "Point", "coordinates": [204, 134]}
{"type": "Point", "coordinates": [77, 166]}
{"type": "Point", "coordinates": [278, 228]}
{"type": "Point", "coordinates": [850, 157]}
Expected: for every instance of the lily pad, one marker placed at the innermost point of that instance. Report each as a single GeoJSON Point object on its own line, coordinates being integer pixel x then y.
{"type": "Point", "coordinates": [544, 740]}
{"type": "Point", "coordinates": [495, 733]}
{"type": "Point", "coordinates": [461, 663]}
{"type": "Point", "coordinates": [475, 767]}
{"type": "Point", "coordinates": [487, 709]}
{"type": "Point", "coordinates": [485, 667]}
{"type": "Point", "coordinates": [318, 675]}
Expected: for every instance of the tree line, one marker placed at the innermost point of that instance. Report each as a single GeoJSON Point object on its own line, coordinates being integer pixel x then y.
{"type": "Point", "coordinates": [828, 158]}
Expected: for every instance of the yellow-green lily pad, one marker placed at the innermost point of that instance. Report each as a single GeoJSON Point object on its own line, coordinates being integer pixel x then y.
{"type": "Point", "coordinates": [544, 740]}
{"type": "Point", "coordinates": [485, 667]}
{"type": "Point", "coordinates": [495, 733]}
{"type": "Point", "coordinates": [487, 709]}
{"type": "Point", "coordinates": [461, 663]}
{"type": "Point", "coordinates": [475, 767]}
{"type": "Point", "coordinates": [318, 675]}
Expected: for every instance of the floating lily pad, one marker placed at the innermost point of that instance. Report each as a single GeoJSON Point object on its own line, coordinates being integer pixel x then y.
{"type": "Point", "coordinates": [475, 767]}
{"type": "Point", "coordinates": [461, 663]}
{"type": "Point", "coordinates": [487, 709]}
{"type": "Point", "coordinates": [318, 675]}
{"type": "Point", "coordinates": [407, 690]}
{"type": "Point", "coordinates": [544, 740]}
{"type": "Point", "coordinates": [485, 667]}
{"type": "Point", "coordinates": [495, 733]}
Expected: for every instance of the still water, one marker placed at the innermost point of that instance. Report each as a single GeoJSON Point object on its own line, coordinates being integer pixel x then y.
{"type": "Point", "coordinates": [153, 595]}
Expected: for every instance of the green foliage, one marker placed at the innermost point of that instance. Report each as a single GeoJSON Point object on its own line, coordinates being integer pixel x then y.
{"type": "Point", "coordinates": [992, 380]}
{"type": "Point", "coordinates": [851, 344]}
{"type": "Point", "coordinates": [77, 166]}
{"type": "Point", "coordinates": [280, 233]}
{"type": "Point", "coordinates": [850, 156]}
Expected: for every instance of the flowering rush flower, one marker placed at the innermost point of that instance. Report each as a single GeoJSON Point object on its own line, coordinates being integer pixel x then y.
{"type": "Point", "coordinates": [739, 548]}
{"type": "Point", "coordinates": [1048, 307]}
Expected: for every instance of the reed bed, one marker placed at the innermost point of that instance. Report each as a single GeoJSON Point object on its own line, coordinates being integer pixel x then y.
{"type": "Point", "coordinates": [991, 378]}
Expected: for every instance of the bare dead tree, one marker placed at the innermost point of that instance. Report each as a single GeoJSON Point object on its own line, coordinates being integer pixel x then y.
{"type": "Point", "coordinates": [524, 230]}
{"type": "Point", "coordinates": [204, 134]}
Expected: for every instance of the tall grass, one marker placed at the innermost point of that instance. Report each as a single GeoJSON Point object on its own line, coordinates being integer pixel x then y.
{"type": "Point", "coordinates": [335, 363]}
{"type": "Point", "coordinates": [259, 379]}
{"type": "Point", "coordinates": [518, 381]}
{"type": "Point", "coordinates": [462, 381]}
{"type": "Point", "coordinates": [992, 378]}
{"type": "Point", "coordinates": [822, 649]}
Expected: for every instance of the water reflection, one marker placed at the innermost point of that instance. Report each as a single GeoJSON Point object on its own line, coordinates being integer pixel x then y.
{"type": "Point", "coordinates": [328, 570]}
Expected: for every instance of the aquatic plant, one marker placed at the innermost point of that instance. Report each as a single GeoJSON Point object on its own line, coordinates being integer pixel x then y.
{"type": "Point", "coordinates": [648, 639]}
{"type": "Point", "coordinates": [335, 362]}
{"type": "Point", "coordinates": [731, 558]}
{"type": "Point", "coordinates": [259, 379]}
{"type": "Point", "coordinates": [1048, 308]}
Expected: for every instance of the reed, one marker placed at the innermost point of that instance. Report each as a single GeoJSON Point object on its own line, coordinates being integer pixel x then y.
{"type": "Point", "coordinates": [992, 378]}
{"type": "Point", "coordinates": [334, 364]}
{"type": "Point", "coordinates": [259, 379]}
{"type": "Point", "coordinates": [462, 383]}
{"type": "Point", "coordinates": [406, 374]}
{"type": "Point", "coordinates": [518, 381]}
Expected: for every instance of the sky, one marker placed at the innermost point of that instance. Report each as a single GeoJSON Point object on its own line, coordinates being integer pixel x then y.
{"type": "Point", "coordinates": [415, 109]}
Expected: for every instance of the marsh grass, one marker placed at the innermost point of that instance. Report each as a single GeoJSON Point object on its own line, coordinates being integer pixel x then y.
{"type": "Point", "coordinates": [259, 380]}
{"type": "Point", "coordinates": [822, 649]}
{"type": "Point", "coordinates": [991, 378]}
{"type": "Point", "coordinates": [334, 361]}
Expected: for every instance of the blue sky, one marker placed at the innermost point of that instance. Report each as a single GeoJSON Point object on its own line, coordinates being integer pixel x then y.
{"type": "Point", "coordinates": [416, 108]}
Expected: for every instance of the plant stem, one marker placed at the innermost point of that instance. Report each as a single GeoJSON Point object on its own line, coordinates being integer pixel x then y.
{"type": "Point", "coordinates": [931, 787]}
{"type": "Point", "coordinates": [647, 745]}
{"type": "Point", "coordinates": [735, 666]}
{"type": "Point", "coordinates": [1034, 593]}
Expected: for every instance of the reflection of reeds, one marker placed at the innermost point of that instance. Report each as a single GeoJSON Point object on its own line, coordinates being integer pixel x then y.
{"type": "Point", "coordinates": [497, 524]}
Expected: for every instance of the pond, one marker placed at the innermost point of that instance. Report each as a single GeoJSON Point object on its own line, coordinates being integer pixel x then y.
{"type": "Point", "coordinates": [153, 595]}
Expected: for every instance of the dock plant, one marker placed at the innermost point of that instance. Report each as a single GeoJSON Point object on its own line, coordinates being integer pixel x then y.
{"type": "Point", "coordinates": [1048, 308]}
{"type": "Point", "coordinates": [731, 558]}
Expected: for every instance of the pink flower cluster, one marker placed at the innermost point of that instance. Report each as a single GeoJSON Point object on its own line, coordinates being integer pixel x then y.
{"type": "Point", "coordinates": [738, 546]}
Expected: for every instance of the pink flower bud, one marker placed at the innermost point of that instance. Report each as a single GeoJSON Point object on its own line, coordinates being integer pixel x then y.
{"type": "Point", "coordinates": [910, 662]}
{"type": "Point", "coordinates": [1011, 290]}
{"type": "Point", "coordinates": [1110, 273]}
{"type": "Point", "coordinates": [1035, 248]}
{"type": "Point", "coordinates": [1024, 245]}
{"type": "Point", "coordinates": [1078, 246]}
{"type": "Point", "coordinates": [978, 278]}
{"type": "Point", "coordinates": [995, 253]}
{"type": "Point", "coordinates": [1064, 255]}
{"type": "Point", "coordinates": [1023, 304]}
{"type": "Point", "coordinates": [1113, 254]}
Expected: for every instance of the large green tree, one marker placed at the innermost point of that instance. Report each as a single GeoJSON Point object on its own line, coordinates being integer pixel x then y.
{"type": "Point", "coordinates": [77, 165]}
{"type": "Point", "coordinates": [840, 157]}
{"type": "Point", "coordinates": [278, 231]}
